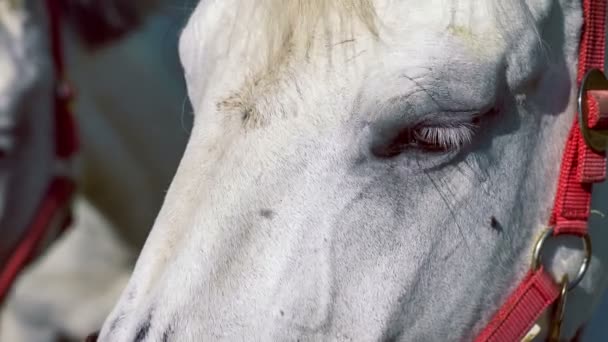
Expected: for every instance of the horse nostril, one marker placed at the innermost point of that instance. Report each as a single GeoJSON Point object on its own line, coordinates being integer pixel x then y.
{"type": "Point", "coordinates": [92, 338]}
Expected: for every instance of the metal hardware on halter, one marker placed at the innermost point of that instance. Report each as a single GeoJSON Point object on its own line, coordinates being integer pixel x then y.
{"type": "Point", "coordinates": [566, 285]}
{"type": "Point", "coordinates": [555, 332]}
{"type": "Point", "coordinates": [536, 256]}
{"type": "Point", "coordinates": [596, 139]}
{"type": "Point", "coordinates": [581, 167]}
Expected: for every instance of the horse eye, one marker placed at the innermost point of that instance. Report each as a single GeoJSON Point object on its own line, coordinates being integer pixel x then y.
{"type": "Point", "coordinates": [427, 138]}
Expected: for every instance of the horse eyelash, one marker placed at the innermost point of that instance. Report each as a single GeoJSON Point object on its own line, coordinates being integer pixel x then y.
{"type": "Point", "coordinates": [447, 137]}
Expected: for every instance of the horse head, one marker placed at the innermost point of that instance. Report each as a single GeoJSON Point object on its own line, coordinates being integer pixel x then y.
{"type": "Point", "coordinates": [370, 170]}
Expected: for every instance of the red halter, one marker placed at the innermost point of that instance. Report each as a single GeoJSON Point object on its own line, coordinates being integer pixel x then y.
{"type": "Point", "coordinates": [583, 164]}
{"type": "Point", "coordinates": [54, 207]}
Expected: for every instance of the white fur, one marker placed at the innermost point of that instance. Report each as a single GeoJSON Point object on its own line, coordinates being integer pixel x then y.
{"type": "Point", "coordinates": [287, 227]}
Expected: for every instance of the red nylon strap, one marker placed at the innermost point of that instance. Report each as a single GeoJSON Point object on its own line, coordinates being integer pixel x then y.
{"type": "Point", "coordinates": [59, 193]}
{"type": "Point", "coordinates": [598, 102]}
{"type": "Point", "coordinates": [522, 309]}
{"type": "Point", "coordinates": [65, 126]}
{"type": "Point", "coordinates": [581, 166]}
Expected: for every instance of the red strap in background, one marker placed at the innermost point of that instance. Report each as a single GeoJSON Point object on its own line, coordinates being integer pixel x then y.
{"type": "Point", "coordinates": [58, 194]}
{"type": "Point", "coordinates": [61, 189]}
{"type": "Point", "coordinates": [581, 167]}
{"type": "Point", "coordinates": [65, 125]}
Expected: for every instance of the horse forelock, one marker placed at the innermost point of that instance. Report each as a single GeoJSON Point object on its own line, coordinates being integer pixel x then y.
{"type": "Point", "coordinates": [289, 29]}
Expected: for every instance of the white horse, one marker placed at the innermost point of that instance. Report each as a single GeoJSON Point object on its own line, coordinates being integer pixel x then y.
{"type": "Point", "coordinates": [358, 171]}
{"type": "Point", "coordinates": [130, 146]}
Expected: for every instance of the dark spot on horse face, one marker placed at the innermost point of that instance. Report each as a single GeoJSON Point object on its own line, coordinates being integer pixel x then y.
{"type": "Point", "coordinates": [495, 224]}
{"type": "Point", "coordinates": [143, 330]}
{"type": "Point", "coordinates": [115, 322]}
{"type": "Point", "coordinates": [92, 338]}
{"type": "Point", "coordinates": [267, 213]}
{"type": "Point", "coordinates": [167, 333]}
{"type": "Point", "coordinates": [247, 114]}
{"type": "Point", "coordinates": [360, 160]}
{"type": "Point", "coordinates": [282, 313]}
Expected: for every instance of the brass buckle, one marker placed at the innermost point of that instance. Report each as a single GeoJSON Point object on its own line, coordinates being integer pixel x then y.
{"type": "Point", "coordinates": [566, 285]}
{"type": "Point", "coordinates": [555, 330]}
{"type": "Point", "coordinates": [595, 139]}
{"type": "Point", "coordinates": [536, 256]}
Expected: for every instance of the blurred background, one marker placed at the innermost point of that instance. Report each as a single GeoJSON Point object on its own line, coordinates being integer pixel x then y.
{"type": "Point", "coordinates": [133, 121]}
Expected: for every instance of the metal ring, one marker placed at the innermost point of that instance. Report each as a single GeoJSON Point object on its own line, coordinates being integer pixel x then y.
{"type": "Point", "coordinates": [536, 262]}
{"type": "Point", "coordinates": [596, 139]}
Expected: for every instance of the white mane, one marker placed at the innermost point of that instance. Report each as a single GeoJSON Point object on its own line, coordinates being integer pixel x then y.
{"type": "Point", "coordinates": [295, 22]}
